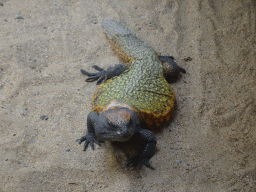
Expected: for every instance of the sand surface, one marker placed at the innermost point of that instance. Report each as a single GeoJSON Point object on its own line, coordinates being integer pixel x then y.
{"type": "Point", "coordinates": [210, 144]}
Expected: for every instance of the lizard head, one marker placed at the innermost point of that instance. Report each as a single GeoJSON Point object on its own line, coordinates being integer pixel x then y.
{"type": "Point", "coordinates": [117, 124]}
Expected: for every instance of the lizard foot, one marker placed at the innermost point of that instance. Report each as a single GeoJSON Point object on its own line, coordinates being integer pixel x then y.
{"type": "Point", "coordinates": [99, 76]}
{"type": "Point", "coordinates": [89, 139]}
{"type": "Point", "coordinates": [137, 163]}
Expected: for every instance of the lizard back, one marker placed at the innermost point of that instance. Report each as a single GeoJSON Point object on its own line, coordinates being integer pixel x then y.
{"type": "Point", "coordinates": [142, 87]}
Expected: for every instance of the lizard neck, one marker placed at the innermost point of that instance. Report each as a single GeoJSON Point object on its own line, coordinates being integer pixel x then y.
{"type": "Point", "coordinates": [116, 104]}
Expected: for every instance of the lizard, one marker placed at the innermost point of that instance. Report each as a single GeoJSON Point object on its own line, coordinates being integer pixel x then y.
{"type": "Point", "coordinates": [132, 98]}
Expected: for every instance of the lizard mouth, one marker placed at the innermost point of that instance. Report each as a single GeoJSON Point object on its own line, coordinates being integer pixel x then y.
{"type": "Point", "coordinates": [118, 135]}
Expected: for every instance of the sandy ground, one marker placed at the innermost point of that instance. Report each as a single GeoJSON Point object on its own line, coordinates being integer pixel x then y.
{"type": "Point", "coordinates": [210, 144]}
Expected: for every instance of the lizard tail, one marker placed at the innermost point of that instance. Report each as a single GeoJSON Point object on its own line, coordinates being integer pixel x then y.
{"type": "Point", "coordinates": [113, 28]}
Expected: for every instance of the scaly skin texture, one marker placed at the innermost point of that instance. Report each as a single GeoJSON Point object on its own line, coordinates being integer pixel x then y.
{"type": "Point", "coordinates": [142, 87]}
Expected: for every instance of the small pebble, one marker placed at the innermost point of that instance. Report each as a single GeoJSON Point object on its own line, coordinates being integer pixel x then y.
{"type": "Point", "coordinates": [178, 162]}
{"type": "Point", "coordinates": [68, 150]}
{"type": "Point", "coordinates": [188, 59]}
{"type": "Point", "coordinates": [6, 159]}
{"type": "Point", "coordinates": [14, 134]}
{"type": "Point", "coordinates": [43, 117]}
{"type": "Point", "coordinates": [1, 4]}
{"type": "Point", "coordinates": [18, 16]}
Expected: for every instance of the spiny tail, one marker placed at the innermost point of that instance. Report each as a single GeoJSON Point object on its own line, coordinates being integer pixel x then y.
{"type": "Point", "coordinates": [113, 28]}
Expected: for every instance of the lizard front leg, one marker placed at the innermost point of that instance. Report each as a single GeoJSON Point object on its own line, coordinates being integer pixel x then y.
{"type": "Point", "coordinates": [103, 74]}
{"type": "Point", "coordinates": [90, 138]}
{"type": "Point", "coordinates": [147, 147]}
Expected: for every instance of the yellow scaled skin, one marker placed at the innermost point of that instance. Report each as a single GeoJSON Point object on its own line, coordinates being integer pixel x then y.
{"type": "Point", "coordinates": [142, 87]}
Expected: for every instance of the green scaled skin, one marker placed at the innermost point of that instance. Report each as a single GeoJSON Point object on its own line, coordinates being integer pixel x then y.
{"type": "Point", "coordinates": [143, 86]}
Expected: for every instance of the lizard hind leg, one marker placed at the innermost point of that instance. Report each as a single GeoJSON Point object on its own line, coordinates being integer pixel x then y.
{"type": "Point", "coordinates": [171, 68]}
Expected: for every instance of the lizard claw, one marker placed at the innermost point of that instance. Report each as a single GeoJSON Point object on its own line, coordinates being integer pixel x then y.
{"type": "Point", "coordinates": [101, 79]}
{"type": "Point", "coordinates": [99, 76]}
{"type": "Point", "coordinates": [89, 139]}
{"type": "Point", "coordinates": [98, 68]}
{"type": "Point", "coordinates": [138, 163]}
